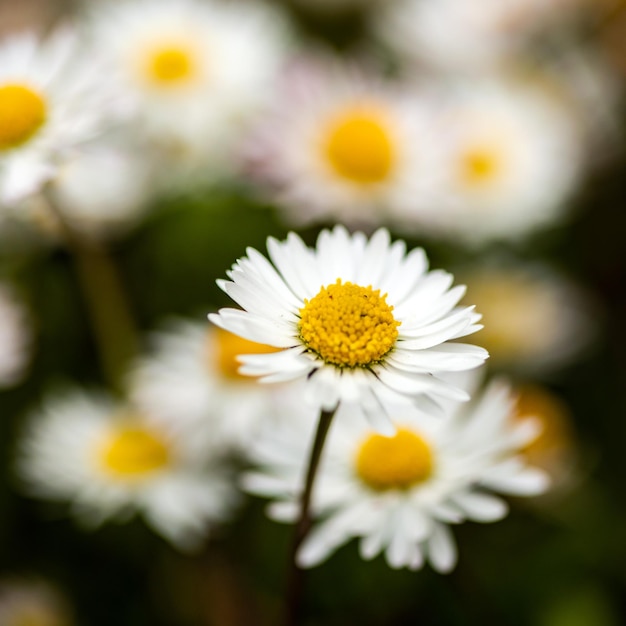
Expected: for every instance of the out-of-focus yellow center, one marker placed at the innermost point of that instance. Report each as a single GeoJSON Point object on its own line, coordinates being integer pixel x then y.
{"type": "Point", "coordinates": [481, 166]}
{"type": "Point", "coordinates": [348, 325]}
{"type": "Point", "coordinates": [171, 65]}
{"type": "Point", "coordinates": [397, 462]}
{"type": "Point", "coordinates": [553, 415]}
{"type": "Point", "coordinates": [359, 147]}
{"type": "Point", "coordinates": [22, 113]}
{"type": "Point", "coordinates": [133, 451]}
{"type": "Point", "coordinates": [228, 347]}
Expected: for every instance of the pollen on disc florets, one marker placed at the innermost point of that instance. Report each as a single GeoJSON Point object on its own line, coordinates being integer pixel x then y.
{"type": "Point", "coordinates": [348, 325]}
{"type": "Point", "coordinates": [397, 462]}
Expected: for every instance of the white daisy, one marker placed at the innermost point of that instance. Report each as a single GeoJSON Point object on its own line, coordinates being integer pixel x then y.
{"type": "Point", "coordinates": [467, 34]}
{"type": "Point", "coordinates": [510, 156]}
{"type": "Point", "coordinates": [399, 494]}
{"type": "Point", "coordinates": [343, 145]}
{"type": "Point", "coordinates": [52, 97]}
{"type": "Point", "coordinates": [190, 380]}
{"type": "Point", "coordinates": [109, 461]}
{"type": "Point", "coordinates": [353, 317]}
{"type": "Point", "coordinates": [32, 603]}
{"type": "Point", "coordinates": [537, 338]}
{"type": "Point", "coordinates": [196, 70]}
{"type": "Point", "coordinates": [15, 337]}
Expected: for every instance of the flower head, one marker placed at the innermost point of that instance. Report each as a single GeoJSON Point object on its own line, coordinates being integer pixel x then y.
{"type": "Point", "coordinates": [194, 70]}
{"type": "Point", "coordinates": [398, 494]}
{"type": "Point", "coordinates": [354, 317]}
{"type": "Point", "coordinates": [509, 158]}
{"type": "Point", "coordinates": [339, 143]}
{"type": "Point", "coordinates": [50, 102]}
{"type": "Point", "coordinates": [110, 461]}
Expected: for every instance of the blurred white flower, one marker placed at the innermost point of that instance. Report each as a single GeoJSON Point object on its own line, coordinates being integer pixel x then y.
{"type": "Point", "coordinates": [109, 461]}
{"type": "Point", "coordinates": [352, 317]}
{"type": "Point", "coordinates": [190, 381]}
{"type": "Point", "coordinates": [32, 603]}
{"type": "Point", "coordinates": [342, 145]}
{"type": "Point", "coordinates": [510, 156]}
{"type": "Point", "coordinates": [398, 494]}
{"type": "Point", "coordinates": [467, 34]}
{"type": "Point", "coordinates": [196, 70]}
{"type": "Point", "coordinates": [104, 189]}
{"type": "Point", "coordinates": [54, 95]}
{"type": "Point", "coordinates": [534, 319]}
{"type": "Point", "coordinates": [15, 337]}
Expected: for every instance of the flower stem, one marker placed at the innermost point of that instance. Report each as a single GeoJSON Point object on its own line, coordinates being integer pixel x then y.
{"type": "Point", "coordinates": [295, 582]}
{"type": "Point", "coordinates": [105, 299]}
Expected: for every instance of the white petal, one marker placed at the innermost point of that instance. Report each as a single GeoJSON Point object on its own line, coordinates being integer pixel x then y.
{"type": "Point", "coordinates": [442, 549]}
{"type": "Point", "coordinates": [481, 507]}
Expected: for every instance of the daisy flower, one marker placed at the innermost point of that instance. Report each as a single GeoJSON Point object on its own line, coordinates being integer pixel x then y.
{"type": "Point", "coordinates": [52, 98]}
{"type": "Point", "coordinates": [510, 156]}
{"type": "Point", "coordinates": [24, 602]}
{"type": "Point", "coordinates": [398, 494]}
{"type": "Point", "coordinates": [195, 70]}
{"type": "Point", "coordinates": [190, 380]}
{"type": "Point", "coordinates": [341, 145]}
{"type": "Point", "coordinates": [352, 317]}
{"type": "Point", "coordinates": [109, 461]}
{"type": "Point", "coordinates": [537, 338]}
{"type": "Point", "coordinates": [15, 338]}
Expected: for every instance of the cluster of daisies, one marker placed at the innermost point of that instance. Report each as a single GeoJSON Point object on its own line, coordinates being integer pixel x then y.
{"type": "Point", "coordinates": [471, 139]}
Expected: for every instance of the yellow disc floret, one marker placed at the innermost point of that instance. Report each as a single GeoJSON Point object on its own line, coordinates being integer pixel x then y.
{"type": "Point", "coordinates": [22, 113]}
{"type": "Point", "coordinates": [348, 325]}
{"type": "Point", "coordinates": [133, 451]}
{"type": "Point", "coordinates": [397, 462]}
{"type": "Point", "coordinates": [359, 148]}
{"type": "Point", "coordinates": [171, 65]}
{"type": "Point", "coordinates": [228, 347]}
{"type": "Point", "coordinates": [481, 166]}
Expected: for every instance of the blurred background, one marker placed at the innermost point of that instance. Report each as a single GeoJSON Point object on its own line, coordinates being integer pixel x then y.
{"type": "Point", "coordinates": [505, 134]}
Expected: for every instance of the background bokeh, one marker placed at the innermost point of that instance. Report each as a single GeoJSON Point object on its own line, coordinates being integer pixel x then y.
{"type": "Point", "coordinates": [555, 561]}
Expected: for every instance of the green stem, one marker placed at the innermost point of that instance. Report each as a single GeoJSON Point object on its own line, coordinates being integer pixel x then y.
{"type": "Point", "coordinates": [112, 324]}
{"type": "Point", "coordinates": [295, 582]}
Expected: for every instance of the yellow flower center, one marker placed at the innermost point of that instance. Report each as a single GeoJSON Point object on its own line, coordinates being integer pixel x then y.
{"type": "Point", "coordinates": [554, 417]}
{"type": "Point", "coordinates": [348, 325]}
{"type": "Point", "coordinates": [171, 65]}
{"type": "Point", "coordinates": [134, 452]}
{"type": "Point", "coordinates": [228, 347]}
{"type": "Point", "coordinates": [397, 462]}
{"type": "Point", "coordinates": [359, 147]}
{"type": "Point", "coordinates": [482, 165]}
{"type": "Point", "coordinates": [22, 113]}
